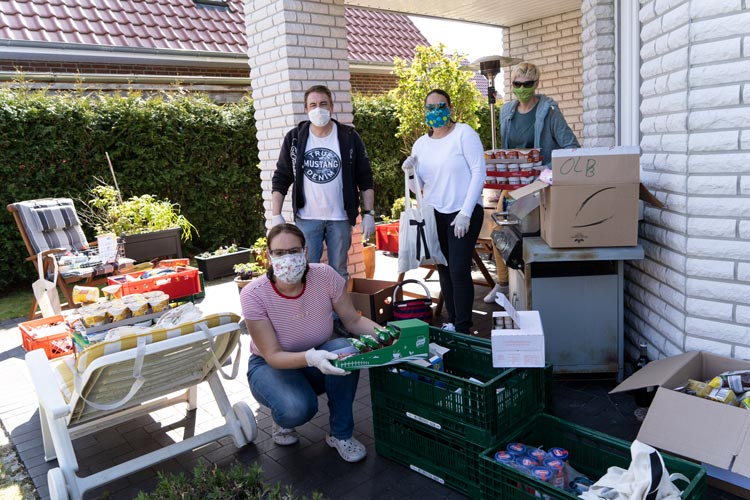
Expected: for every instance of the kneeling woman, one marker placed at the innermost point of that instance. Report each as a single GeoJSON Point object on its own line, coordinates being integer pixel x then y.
{"type": "Point", "coordinates": [289, 314]}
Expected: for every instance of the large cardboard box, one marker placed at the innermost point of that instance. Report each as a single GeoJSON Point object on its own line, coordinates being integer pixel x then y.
{"type": "Point", "coordinates": [593, 199]}
{"type": "Point", "coordinates": [696, 428]}
{"type": "Point", "coordinates": [373, 298]}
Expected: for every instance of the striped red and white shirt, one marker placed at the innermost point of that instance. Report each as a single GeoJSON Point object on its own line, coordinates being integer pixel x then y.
{"type": "Point", "coordinates": [300, 322]}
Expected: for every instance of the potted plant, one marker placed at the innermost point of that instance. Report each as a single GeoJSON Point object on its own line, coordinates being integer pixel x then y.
{"type": "Point", "coordinates": [150, 227]}
{"type": "Point", "coordinates": [220, 262]}
{"type": "Point", "coordinates": [247, 271]}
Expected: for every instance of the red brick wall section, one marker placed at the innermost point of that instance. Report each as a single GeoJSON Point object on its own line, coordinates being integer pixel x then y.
{"type": "Point", "coordinates": [369, 84]}
{"type": "Point", "coordinates": [554, 45]}
{"type": "Point", "coordinates": [118, 69]}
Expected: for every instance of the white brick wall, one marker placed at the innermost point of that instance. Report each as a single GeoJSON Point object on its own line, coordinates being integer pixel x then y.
{"type": "Point", "coordinates": [294, 45]}
{"type": "Point", "coordinates": [696, 158]}
{"type": "Point", "coordinates": [554, 45]}
{"type": "Point", "coordinates": [598, 45]}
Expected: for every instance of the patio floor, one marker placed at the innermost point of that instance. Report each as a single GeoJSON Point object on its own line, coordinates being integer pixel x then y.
{"type": "Point", "coordinates": [310, 466]}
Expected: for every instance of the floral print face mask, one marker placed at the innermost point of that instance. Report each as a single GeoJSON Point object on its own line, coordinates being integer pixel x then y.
{"type": "Point", "coordinates": [289, 268]}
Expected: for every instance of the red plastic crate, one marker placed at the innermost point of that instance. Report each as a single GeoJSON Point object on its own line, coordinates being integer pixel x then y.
{"type": "Point", "coordinates": [183, 283]}
{"type": "Point", "coordinates": [52, 334]}
{"type": "Point", "coordinates": [386, 237]}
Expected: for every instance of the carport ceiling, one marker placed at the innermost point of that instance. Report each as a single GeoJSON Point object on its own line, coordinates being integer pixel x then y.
{"type": "Point", "coordinates": [493, 12]}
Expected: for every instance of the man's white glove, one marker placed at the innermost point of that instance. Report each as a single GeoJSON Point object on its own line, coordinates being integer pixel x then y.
{"type": "Point", "coordinates": [277, 219]}
{"type": "Point", "coordinates": [409, 165]}
{"type": "Point", "coordinates": [368, 226]}
{"type": "Point", "coordinates": [460, 225]}
{"type": "Point", "coordinates": [320, 360]}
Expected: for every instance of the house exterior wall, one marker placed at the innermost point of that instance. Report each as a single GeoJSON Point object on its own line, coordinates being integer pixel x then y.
{"type": "Point", "coordinates": [692, 291]}
{"type": "Point", "coordinates": [291, 49]}
{"type": "Point", "coordinates": [373, 84]}
{"type": "Point", "coordinates": [554, 44]}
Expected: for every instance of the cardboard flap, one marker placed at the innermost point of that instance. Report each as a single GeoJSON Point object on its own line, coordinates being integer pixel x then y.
{"type": "Point", "coordinates": [689, 426]}
{"type": "Point", "coordinates": [742, 461]}
{"type": "Point", "coordinates": [645, 195]}
{"type": "Point", "coordinates": [534, 187]}
{"type": "Point", "coordinates": [603, 165]}
{"type": "Point", "coordinates": [661, 372]}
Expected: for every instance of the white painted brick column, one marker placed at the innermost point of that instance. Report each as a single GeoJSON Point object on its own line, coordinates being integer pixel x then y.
{"type": "Point", "coordinates": [598, 40]}
{"type": "Point", "coordinates": [692, 291]}
{"type": "Point", "coordinates": [293, 45]}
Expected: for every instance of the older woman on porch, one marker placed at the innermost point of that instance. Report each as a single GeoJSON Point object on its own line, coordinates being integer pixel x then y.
{"type": "Point", "coordinates": [530, 121]}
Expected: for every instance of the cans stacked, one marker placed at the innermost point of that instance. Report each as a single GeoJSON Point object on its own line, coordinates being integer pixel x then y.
{"type": "Point", "coordinates": [547, 466]}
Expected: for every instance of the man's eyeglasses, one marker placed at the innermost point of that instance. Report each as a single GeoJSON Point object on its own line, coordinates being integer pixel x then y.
{"type": "Point", "coordinates": [526, 85]}
{"type": "Point", "coordinates": [286, 251]}
{"type": "Point", "coordinates": [433, 107]}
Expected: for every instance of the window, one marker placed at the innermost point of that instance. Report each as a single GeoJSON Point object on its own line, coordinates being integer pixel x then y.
{"type": "Point", "coordinates": [213, 4]}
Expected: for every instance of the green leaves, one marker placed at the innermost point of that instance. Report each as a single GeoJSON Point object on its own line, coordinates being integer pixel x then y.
{"type": "Point", "coordinates": [432, 69]}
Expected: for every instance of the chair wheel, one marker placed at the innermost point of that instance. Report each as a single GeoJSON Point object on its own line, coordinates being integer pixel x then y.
{"type": "Point", "coordinates": [56, 484]}
{"type": "Point", "coordinates": [247, 420]}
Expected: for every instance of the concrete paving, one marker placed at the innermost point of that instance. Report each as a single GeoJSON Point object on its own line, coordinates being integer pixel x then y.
{"type": "Point", "coordinates": [310, 466]}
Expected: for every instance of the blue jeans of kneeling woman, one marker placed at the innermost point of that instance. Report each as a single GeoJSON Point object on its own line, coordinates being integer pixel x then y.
{"type": "Point", "coordinates": [292, 395]}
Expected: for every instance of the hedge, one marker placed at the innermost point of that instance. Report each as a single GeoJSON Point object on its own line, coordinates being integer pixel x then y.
{"type": "Point", "coordinates": [177, 146]}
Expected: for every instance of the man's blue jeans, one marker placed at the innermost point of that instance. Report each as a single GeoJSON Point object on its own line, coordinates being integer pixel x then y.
{"type": "Point", "coordinates": [292, 395]}
{"type": "Point", "coordinates": [337, 235]}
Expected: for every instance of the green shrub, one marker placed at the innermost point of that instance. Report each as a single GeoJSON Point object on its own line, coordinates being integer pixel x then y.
{"type": "Point", "coordinates": [177, 146]}
{"type": "Point", "coordinates": [238, 482]}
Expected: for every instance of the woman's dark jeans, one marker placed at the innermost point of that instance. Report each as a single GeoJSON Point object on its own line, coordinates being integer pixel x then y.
{"type": "Point", "coordinates": [456, 283]}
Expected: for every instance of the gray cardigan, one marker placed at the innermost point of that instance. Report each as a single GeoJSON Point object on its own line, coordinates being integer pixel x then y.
{"type": "Point", "coordinates": [551, 131]}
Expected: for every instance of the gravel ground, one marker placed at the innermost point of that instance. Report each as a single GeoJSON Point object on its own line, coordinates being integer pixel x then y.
{"type": "Point", "coordinates": [15, 483]}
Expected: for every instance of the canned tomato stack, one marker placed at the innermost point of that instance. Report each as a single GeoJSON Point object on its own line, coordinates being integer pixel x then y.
{"type": "Point", "coordinates": [438, 422]}
{"type": "Point", "coordinates": [551, 458]}
{"type": "Point", "coordinates": [511, 169]}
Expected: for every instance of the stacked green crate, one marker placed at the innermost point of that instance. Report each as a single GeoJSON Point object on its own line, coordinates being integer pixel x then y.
{"type": "Point", "coordinates": [438, 422]}
{"type": "Point", "coordinates": [590, 453]}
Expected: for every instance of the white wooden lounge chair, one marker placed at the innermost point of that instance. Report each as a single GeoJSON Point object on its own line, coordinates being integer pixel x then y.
{"type": "Point", "coordinates": [113, 381]}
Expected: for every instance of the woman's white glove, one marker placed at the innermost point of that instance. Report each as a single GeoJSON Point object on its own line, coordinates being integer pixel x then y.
{"type": "Point", "coordinates": [277, 219]}
{"type": "Point", "coordinates": [368, 226]}
{"type": "Point", "coordinates": [320, 360]}
{"type": "Point", "coordinates": [409, 165]}
{"type": "Point", "coordinates": [460, 225]}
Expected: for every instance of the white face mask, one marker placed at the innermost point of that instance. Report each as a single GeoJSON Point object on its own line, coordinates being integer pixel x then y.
{"type": "Point", "coordinates": [289, 268]}
{"type": "Point", "coordinates": [319, 117]}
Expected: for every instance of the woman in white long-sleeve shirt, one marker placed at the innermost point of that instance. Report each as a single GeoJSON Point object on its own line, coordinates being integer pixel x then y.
{"type": "Point", "coordinates": [449, 162]}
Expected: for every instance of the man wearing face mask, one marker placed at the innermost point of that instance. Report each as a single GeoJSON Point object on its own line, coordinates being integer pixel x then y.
{"type": "Point", "coordinates": [530, 121]}
{"type": "Point", "coordinates": [327, 163]}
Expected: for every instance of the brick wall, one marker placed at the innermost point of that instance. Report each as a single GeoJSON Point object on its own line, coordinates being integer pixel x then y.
{"type": "Point", "coordinates": [554, 45]}
{"type": "Point", "coordinates": [370, 84]}
{"type": "Point", "coordinates": [692, 291]}
{"type": "Point", "coordinates": [291, 49]}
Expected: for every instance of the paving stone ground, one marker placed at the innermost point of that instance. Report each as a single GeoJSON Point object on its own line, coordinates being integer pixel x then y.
{"type": "Point", "coordinates": [310, 466]}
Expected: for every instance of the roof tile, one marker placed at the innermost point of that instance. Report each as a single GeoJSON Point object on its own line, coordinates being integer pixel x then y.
{"type": "Point", "coordinates": [179, 24]}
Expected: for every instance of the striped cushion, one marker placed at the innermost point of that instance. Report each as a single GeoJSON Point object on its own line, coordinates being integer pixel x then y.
{"type": "Point", "coordinates": [65, 368]}
{"type": "Point", "coordinates": [52, 223]}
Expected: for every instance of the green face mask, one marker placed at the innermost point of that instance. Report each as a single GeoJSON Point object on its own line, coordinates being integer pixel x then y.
{"type": "Point", "coordinates": [524, 94]}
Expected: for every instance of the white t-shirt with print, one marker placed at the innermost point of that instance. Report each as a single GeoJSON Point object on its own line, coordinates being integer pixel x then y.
{"type": "Point", "coordinates": [322, 182]}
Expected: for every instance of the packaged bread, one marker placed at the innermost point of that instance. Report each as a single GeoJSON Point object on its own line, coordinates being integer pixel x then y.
{"type": "Point", "coordinates": [158, 303]}
{"type": "Point", "coordinates": [85, 294]}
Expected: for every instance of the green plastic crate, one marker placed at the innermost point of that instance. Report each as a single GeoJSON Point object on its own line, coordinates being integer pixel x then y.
{"type": "Point", "coordinates": [591, 453]}
{"type": "Point", "coordinates": [448, 460]}
{"type": "Point", "coordinates": [477, 412]}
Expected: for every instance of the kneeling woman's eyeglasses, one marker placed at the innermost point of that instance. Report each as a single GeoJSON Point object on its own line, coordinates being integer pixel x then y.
{"type": "Point", "coordinates": [287, 251]}
{"type": "Point", "coordinates": [433, 107]}
{"type": "Point", "coordinates": [526, 85]}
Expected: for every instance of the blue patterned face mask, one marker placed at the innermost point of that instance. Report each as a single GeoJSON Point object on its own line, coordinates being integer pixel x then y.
{"type": "Point", "coordinates": [437, 115]}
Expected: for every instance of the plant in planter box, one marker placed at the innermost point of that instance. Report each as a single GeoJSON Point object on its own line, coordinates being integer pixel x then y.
{"type": "Point", "coordinates": [151, 227]}
{"type": "Point", "coordinates": [219, 263]}
{"type": "Point", "coordinates": [247, 271]}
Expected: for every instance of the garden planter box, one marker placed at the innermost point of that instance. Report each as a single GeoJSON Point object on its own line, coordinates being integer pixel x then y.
{"type": "Point", "coordinates": [219, 266]}
{"type": "Point", "coordinates": [156, 244]}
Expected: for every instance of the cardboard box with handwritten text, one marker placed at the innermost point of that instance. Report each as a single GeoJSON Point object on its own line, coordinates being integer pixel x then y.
{"type": "Point", "coordinates": [593, 199]}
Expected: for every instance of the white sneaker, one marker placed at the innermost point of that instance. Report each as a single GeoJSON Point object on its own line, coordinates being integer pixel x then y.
{"type": "Point", "coordinates": [350, 449]}
{"type": "Point", "coordinates": [283, 436]}
{"type": "Point", "coordinates": [490, 297]}
{"type": "Point", "coordinates": [449, 327]}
